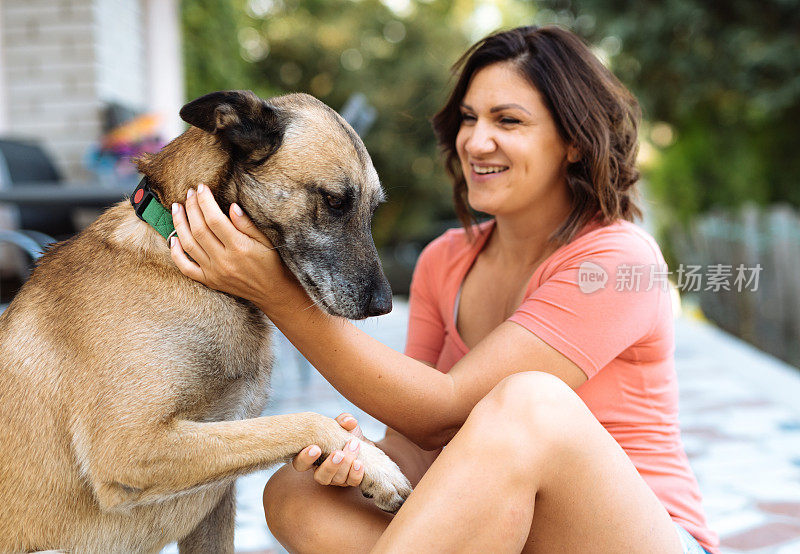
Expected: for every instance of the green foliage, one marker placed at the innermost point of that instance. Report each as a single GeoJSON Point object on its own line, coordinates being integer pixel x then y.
{"type": "Point", "coordinates": [210, 49]}
{"type": "Point", "coordinates": [333, 49]}
{"type": "Point", "coordinates": [725, 76]}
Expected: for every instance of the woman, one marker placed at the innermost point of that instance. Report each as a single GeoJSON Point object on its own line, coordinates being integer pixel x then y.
{"type": "Point", "coordinates": [555, 391]}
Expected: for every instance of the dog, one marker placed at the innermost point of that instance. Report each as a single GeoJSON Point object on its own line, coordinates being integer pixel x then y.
{"type": "Point", "coordinates": [130, 394]}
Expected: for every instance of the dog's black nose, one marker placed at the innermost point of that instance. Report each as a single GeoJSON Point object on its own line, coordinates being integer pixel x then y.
{"type": "Point", "coordinates": [380, 300]}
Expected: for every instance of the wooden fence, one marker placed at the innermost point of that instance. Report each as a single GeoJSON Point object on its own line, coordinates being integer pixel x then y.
{"type": "Point", "coordinates": [765, 241]}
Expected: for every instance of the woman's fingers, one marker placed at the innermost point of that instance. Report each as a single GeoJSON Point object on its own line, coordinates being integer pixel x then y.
{"type": "Point", "coordinates": [349, 423]}
{"type": "Point", "coordinates": [219, 224]}
{"type": "Point", "coordinates": [202, 233]}
{"type": "Point", "coordinates": [186, 243]}
{"type": "Point", "coordinates": [187, 266]}
{"type": "Point", "coordinates": [306, 458]}
{"type": "Point", "coordinates": [356, 474]}
{"type": "Point", "coordinates": [245, 225]}
{"type": "Point", "coordinates": [185, 234]}
{"type": "Point", "coordinates": [335, 470]}
{"type": "Point", "coordinates": [341, 468]}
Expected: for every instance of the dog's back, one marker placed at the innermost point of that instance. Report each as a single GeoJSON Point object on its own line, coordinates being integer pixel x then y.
{"type": "Point", "coordinates": [107, 334]}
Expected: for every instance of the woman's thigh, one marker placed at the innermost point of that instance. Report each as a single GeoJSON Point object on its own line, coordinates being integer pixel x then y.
{"type": "Point", "coordinates": [591, 497]}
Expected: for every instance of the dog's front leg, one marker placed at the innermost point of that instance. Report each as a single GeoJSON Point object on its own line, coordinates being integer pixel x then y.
{"type": "Point", "coordinates": [215, 532]}
{"type": "Point", "coordinates": [183, 456]}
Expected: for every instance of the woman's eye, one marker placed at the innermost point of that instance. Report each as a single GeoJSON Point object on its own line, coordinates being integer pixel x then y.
{"type": "Point", "coordinates": [467, 117]}
{"type": "Point", "coordinates": [509, 120]}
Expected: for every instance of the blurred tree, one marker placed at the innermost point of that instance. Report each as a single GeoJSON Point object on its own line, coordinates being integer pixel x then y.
{"type": "Point", "coordinates": [397, 53]}
{"type": "Point", "coordinates": [210, 46]}
{"type": "Point", "coordinates": [720, 87]}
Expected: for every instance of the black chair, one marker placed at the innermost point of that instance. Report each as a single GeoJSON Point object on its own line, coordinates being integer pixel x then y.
{"type": "Point", "coordinates": [23, 162]}
{"type": "Point", "coordinates": [33, 246]}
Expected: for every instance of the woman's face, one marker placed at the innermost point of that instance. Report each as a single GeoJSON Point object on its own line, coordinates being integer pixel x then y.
{"type": "Point", "coordinates": [511, 154]}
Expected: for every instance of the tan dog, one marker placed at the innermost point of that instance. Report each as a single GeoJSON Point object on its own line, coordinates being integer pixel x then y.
{"type": "Point", "coordinates": [129, 394]}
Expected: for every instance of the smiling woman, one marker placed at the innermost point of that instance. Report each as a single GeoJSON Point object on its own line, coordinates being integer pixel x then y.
{"type": "Point", "coordinates": [558, 407]}
{"type": "Point", "coordinates": [572, 95]}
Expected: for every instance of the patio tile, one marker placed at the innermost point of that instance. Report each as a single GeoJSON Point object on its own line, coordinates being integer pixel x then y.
{"type": "Point", "coordinates": [767, 535]}
{"type": "Point", "coordinates": [789, 548]}
{"type": "Point", "coordinates": [733, 523]}
{"type": "Point", "coordinates": [791, 509]}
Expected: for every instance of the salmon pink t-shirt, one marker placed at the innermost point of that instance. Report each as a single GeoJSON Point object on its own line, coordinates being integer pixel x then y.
{"type": "Point", "coordinates": [602, 301]}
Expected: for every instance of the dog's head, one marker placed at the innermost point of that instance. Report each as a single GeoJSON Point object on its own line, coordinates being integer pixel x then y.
{"type": "Point", "coordinates": [305, 179]}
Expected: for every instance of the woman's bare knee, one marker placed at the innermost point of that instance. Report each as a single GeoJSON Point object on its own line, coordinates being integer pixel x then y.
{"type": "Point", "coordinates": [527, 405]}
{"type": "Point", "coordinates": [531, 396]}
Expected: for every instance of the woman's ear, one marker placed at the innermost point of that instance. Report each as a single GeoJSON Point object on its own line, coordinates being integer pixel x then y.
{"type": "Point", "coordinates": [573, 154]}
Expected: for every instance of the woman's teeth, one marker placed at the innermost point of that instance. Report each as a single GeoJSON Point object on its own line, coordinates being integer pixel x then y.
{"type": "Point", "coordinates": [488, 169]}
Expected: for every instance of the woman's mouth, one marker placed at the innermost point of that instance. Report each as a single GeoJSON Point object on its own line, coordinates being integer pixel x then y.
{"type": "Point", "coordinates": [488, 169]}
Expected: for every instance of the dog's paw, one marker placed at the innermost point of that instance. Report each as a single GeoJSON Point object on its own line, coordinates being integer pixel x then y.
{"type": "Point", "coordinates": [383, 481]}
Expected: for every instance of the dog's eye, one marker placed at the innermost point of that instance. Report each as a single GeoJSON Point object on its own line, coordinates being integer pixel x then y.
{"type": "Point", "coordinates": [333, 202]}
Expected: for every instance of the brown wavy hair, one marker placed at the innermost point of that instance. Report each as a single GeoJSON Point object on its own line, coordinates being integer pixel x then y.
{"type": "Point", "coordinates": [592, 111]}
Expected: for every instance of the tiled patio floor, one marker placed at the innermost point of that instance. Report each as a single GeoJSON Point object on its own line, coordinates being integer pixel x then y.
{"type": "Point", "coordinates": [740, 414]}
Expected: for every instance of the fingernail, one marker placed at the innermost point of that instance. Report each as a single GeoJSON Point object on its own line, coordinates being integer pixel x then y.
{"type": "Point", "coordinates": [200, 188]}
{"type": "Point", "coordinates": [171, 241]}
{"type": "Point", "coordinates": [189, 193]}
{"type": "Point", "coordinates": [174, 208]}
{"type": "Point", "coordinates": [237, 210]}
{"type": "Point", "coordinates": [356, 465]}
{"type": "Point", "coordinates": [338, 457]}
{"type": "Point", "coordinates": [314, 451]}
{"type": "Point", "coordinates": [352, 446]}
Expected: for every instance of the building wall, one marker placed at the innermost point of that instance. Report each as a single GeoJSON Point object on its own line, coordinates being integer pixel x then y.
{"type": "Point", "coordinates": [120, 52]}
{"type": "Point", "coordinates": [50, 76]}
{"type": "Point", "coordinates": [61, 61]}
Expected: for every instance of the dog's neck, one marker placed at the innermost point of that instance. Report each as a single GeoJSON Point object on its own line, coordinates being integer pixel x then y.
{"type": "Point", "coordinates": [193, 158]}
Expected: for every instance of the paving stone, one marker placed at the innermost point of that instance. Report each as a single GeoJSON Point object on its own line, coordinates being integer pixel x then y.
{"type": "Point", "coordinates": [789, 548]}
{"type": "Point", "coordinates": [767, 535]}
{"type": "Point", "coordinates": [732, 523]}
{"type": "Point", "coordinates": [791, 509]}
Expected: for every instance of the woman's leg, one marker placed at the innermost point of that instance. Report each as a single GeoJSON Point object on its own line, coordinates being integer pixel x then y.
{"type": "Point", "coordinates": [532, 470]}
{"type": "Point", "coordinates": [308, 517]}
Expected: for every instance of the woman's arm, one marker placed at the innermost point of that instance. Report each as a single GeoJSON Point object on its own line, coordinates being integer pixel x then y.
{"type": "Point", "coordinates": [423, 404]}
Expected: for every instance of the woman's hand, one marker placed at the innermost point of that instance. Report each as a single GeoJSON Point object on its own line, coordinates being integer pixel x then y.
{"type": "Point", "coordinates": [340, 468]}
{"type": "Point", "coordinates": [230, 255]}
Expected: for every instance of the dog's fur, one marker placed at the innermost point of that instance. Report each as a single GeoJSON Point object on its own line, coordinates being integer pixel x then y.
{"type": "Point", "coordinates": [130, 394]}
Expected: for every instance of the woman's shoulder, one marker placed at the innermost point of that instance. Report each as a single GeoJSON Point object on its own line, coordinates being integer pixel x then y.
{"type": "Point", "coordinates": [620, 239]}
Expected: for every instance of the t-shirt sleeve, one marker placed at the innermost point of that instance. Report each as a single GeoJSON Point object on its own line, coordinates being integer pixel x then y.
{"type": "Point", "coordinates": [599, 301]}
{"type": "Point", "coordinates": [426, 328]}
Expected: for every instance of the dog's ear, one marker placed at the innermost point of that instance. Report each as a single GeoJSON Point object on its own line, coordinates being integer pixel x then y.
{"type": "Point", "coordinates": [239, 118]}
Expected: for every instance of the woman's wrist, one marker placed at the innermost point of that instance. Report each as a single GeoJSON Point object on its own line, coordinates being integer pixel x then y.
{"type": "Point", "coordinates": [284, 302]}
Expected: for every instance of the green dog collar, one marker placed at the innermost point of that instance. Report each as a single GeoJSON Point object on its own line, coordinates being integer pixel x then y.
{"type": "Point", "coordinates": [149, 209]}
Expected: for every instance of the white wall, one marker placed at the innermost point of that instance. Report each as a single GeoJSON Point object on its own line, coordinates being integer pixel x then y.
{"type": "Point", "coordinates": [49, 76]}
{"type": "Point", "coordinates": [120, 52]}
{"type": "Point", "coordinates": [60, 61]}
{"type": "Point", "coordinates": [3, 103]}
{"type": "Point", "coordinates": [166, 90]}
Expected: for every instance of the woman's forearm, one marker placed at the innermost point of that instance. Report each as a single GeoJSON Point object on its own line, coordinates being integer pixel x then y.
{"type": "Point", "coordinates": [409, 396]}
{"type": "Point", "coordinates": [233, 256]}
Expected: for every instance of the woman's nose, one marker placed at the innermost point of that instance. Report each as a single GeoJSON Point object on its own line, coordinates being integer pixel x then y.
{"type": "Point", "coordinates": [480, 140]}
